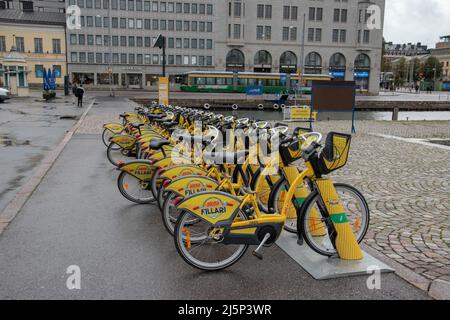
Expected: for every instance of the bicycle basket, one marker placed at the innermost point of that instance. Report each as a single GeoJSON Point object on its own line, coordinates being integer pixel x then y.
{"type": "Point", "coordinates": [292, 152]}
{"type": "Point", "coordinates": [335, 153]}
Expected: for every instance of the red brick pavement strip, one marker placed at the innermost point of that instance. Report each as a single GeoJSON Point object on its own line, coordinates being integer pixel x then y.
{"type": "Point", "coordinates": [22, 196]}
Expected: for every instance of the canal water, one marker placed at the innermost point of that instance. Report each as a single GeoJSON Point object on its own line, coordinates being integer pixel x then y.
{"type": "Point", "coordinates": [360, 115]}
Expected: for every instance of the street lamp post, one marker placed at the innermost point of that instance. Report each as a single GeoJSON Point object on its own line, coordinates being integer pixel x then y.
{"type": "Point", "coordinates": [110, 73]}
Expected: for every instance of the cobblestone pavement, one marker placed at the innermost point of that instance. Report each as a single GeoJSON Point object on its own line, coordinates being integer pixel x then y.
{"type": "Point", "coordinates": [407, 186]}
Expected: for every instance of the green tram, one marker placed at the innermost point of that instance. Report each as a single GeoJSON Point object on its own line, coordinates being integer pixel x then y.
{"type": "Point", "coordinates": [273, 83]}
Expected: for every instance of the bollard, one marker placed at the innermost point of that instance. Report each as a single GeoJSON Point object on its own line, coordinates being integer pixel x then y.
{"type": "Point", "coordinates": [395, 114]}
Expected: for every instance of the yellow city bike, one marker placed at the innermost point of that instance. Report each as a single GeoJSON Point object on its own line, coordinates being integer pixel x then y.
{"type": "Point", "coordinates": [179, 183]}
{"type": "Point", "coordinates": [215, 229]}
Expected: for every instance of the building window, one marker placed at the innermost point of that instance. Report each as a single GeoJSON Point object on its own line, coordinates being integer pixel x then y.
{"type": "Point", "coordinates": [366, 36]}
{"type": "Point", "coordinates": [56, 44]}
{"type": "Point", "coordinates": [38, 45]}
{"type": "Point", "coordinates": [90, 39]}
{"type": "Point", "coordinates": [20, 44]}
{"type": "Point", "coordinates": [73, 40]}
{"type": "Point", "coordinates": [99, 57]}
{"type": "Point", "coordinates": [237, 31]}
{"type": "Point", "coordinates": [73, 57]}
{"type": "Point", "coordinates": [91, 57]}
{"type": "Point", "coordinates": [81, 39]}
{"type": "Point", "coordinates": [237, 9]}
{"type": "Point", "coordinates": [2, 44]}
{"type": "Point", "coordinates": [82, 57]}
{"type": "Point", "coordinates": [39, 70]}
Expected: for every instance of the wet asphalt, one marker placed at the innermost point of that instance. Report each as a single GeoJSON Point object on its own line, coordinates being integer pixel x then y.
{"type": "Point", "coordinates": [78, 217]}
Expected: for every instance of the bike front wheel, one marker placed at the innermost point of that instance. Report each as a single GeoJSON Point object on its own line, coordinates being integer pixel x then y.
{"type": "Point", "coordinates": [200, 249]}
{"type": "Point", "coordinates": [317, 229]}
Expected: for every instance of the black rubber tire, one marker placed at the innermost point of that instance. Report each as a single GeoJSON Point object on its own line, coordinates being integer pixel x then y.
{"type": "Point", "coordinates": [301, 215]}
{"type": "Point", "coordinates": [108, 153]}
{"type": "Point", "coordinates": [180, 252]}
{"type": "Point", "coordinates": [124, 192]}
{"type": "Point", "coordinates": [169, 229]}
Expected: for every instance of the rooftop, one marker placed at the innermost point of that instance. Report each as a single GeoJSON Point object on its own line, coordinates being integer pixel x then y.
{"type": "Point", "coordinates": [38, 17]}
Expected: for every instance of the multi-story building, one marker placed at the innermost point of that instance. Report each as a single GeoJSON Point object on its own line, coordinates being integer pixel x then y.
{"type": "Point", "coordinates": [40, 37]}
{"type": "Point", "coordinates": [36, 5]}
{"type": "Point", "coordinates": [442, 52]}
{"type": "Point", "coordinates": [317, 36]}
{"type": "Point", "coordinates": [406, 49]}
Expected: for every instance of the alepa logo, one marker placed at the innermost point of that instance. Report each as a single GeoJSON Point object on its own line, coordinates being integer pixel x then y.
{"type": "Point", "coordinates": [194, 186]}
{"type": "Point", "coordinates": [142, 170]}
{"type": "Point", "coordinates": [214, 208]}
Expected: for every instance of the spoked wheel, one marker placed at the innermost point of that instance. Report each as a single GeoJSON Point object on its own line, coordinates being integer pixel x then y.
{"type": "Point", "coordinates": [263, 192]}
{"type": "Point", "coordinates": [117, 155]}
{"type": "Point", "coordinates": [170, 213]}
{"type": "Point", "coordinates": [156, 182]}
{"type": "Point", "coordinates": [200, 248]}
{"type": "Point", "coordinates": [133, 189]}
{"type": "Point", "coordinates": [277, 201]}
{"type": "Point", "coordinates": [318, 230]}
{"type": "Point", "coordinates": [106, 135]}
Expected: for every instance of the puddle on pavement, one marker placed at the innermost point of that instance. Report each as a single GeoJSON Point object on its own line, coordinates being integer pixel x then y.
{"type": "Point", "coordinates": [68, 117]}
{"type": "Point", "coordinates": [441, 142]}
{"type": "Point", "coordinates": [8, 141]}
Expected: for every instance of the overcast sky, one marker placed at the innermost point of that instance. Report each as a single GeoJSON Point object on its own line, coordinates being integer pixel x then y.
{"type": "Point", "coordinates": [416, 21]}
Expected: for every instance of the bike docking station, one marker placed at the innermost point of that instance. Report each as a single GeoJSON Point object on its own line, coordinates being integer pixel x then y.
{"type": "Point", "coordinates": [350, 260]}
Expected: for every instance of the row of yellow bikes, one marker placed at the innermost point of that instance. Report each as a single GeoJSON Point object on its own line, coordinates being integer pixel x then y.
{"type": "Point", "coordinates": [223, 184]}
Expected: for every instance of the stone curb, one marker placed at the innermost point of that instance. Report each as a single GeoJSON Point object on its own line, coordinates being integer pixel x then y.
{"type": "Point", "coordinates": [437, 289]}
{"type": "Point", "coordinates": [13, 208]}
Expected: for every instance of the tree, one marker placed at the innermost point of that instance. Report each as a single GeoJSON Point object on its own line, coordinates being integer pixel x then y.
{"type": "Point", "coordinates": [400, 72]}
{"type": "Point", "coordinates": [416, 69]}
{"type": "Point", "coordinates": [429, 67]}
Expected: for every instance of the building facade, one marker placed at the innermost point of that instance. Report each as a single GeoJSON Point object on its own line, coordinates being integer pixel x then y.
{"type": "Point", "coordinates": [39, 37]}
{"type": "Point", "coordinates": [442, 52]}
{"type": "Point", "coordinates": [37, 5]}
{"type": "Point", "coordinates": [317, 36]}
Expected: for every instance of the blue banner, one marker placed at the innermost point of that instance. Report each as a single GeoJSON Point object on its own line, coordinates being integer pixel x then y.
{"type": "Point", "coordinates": [254, 90]}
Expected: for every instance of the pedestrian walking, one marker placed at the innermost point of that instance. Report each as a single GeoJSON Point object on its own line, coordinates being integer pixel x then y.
{"type": "Point", "coordinates": [417, 88]}
{"type": "Point", "coordinates": [74, 92]}
{"type": "Point", "coordinates": [80, 93]}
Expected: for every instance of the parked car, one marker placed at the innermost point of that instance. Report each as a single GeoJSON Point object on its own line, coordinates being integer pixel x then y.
{"type": "Point", "coordinates": [4, 94]}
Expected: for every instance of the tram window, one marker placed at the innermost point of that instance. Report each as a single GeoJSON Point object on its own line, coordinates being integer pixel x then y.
{"type": "Point", "coordinates": [229, 81]}
{"type": "Point", "coordinates": [220, 81]}
{"type": "Point", "coordinates": [242, 82]}
{"type": "Point", "coordinates": [211, 81]}
{"type": "Point", "coordinates": [200, 81]}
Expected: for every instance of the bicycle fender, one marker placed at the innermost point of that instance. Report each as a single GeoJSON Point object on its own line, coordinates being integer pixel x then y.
{"type": "Point", "coordinates": [346, 244]}
{"type": "Point", "coordinates": [190, 185]}
{"type": "Point", "coordinates": [124, 141]}
{"type": "Point", "coordinates": [140, 169]}
{"type": "Point", "coordinates": [114, 127]}
{"type": "Point", "coordinates": [171, 161]}
{"type": "Point", "coordinates": [215, 207]}
{"type": "Point", "coordinates": [183, 170]}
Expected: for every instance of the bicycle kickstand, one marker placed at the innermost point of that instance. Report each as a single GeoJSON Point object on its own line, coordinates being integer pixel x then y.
{"type": "Point", "coordinates": [256, 252]}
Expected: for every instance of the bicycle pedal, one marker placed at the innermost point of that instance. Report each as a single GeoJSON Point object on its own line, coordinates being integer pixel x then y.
{"type": "Point", "coordinates": [258, 255]}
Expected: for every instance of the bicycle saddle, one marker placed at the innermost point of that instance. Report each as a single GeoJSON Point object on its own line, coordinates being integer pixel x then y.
{"type": "Point", "coordinates": [158, 144]}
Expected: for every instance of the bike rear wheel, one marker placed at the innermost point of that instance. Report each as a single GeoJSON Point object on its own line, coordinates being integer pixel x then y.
{"type": "Point", "coordinates": [117, 155]}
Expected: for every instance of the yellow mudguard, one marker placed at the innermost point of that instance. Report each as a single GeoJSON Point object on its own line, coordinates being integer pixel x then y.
{"type": "Point", "coordinates": [182, 171]}
{"type": "Point", "coordinates": [141, 169]}
{"type": "Point", "coordinates": [346, 244]}
{"type": "Point", "coordinates": [114, 127]}
{"type": "Point", "coordinates": [212, 207]}
{"type": "Point", "coordinates": [125, 142]}
{"type": "Point", "coordinates": [171, 161]}
{"type": "Point", "coordinates": [189, 185]}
